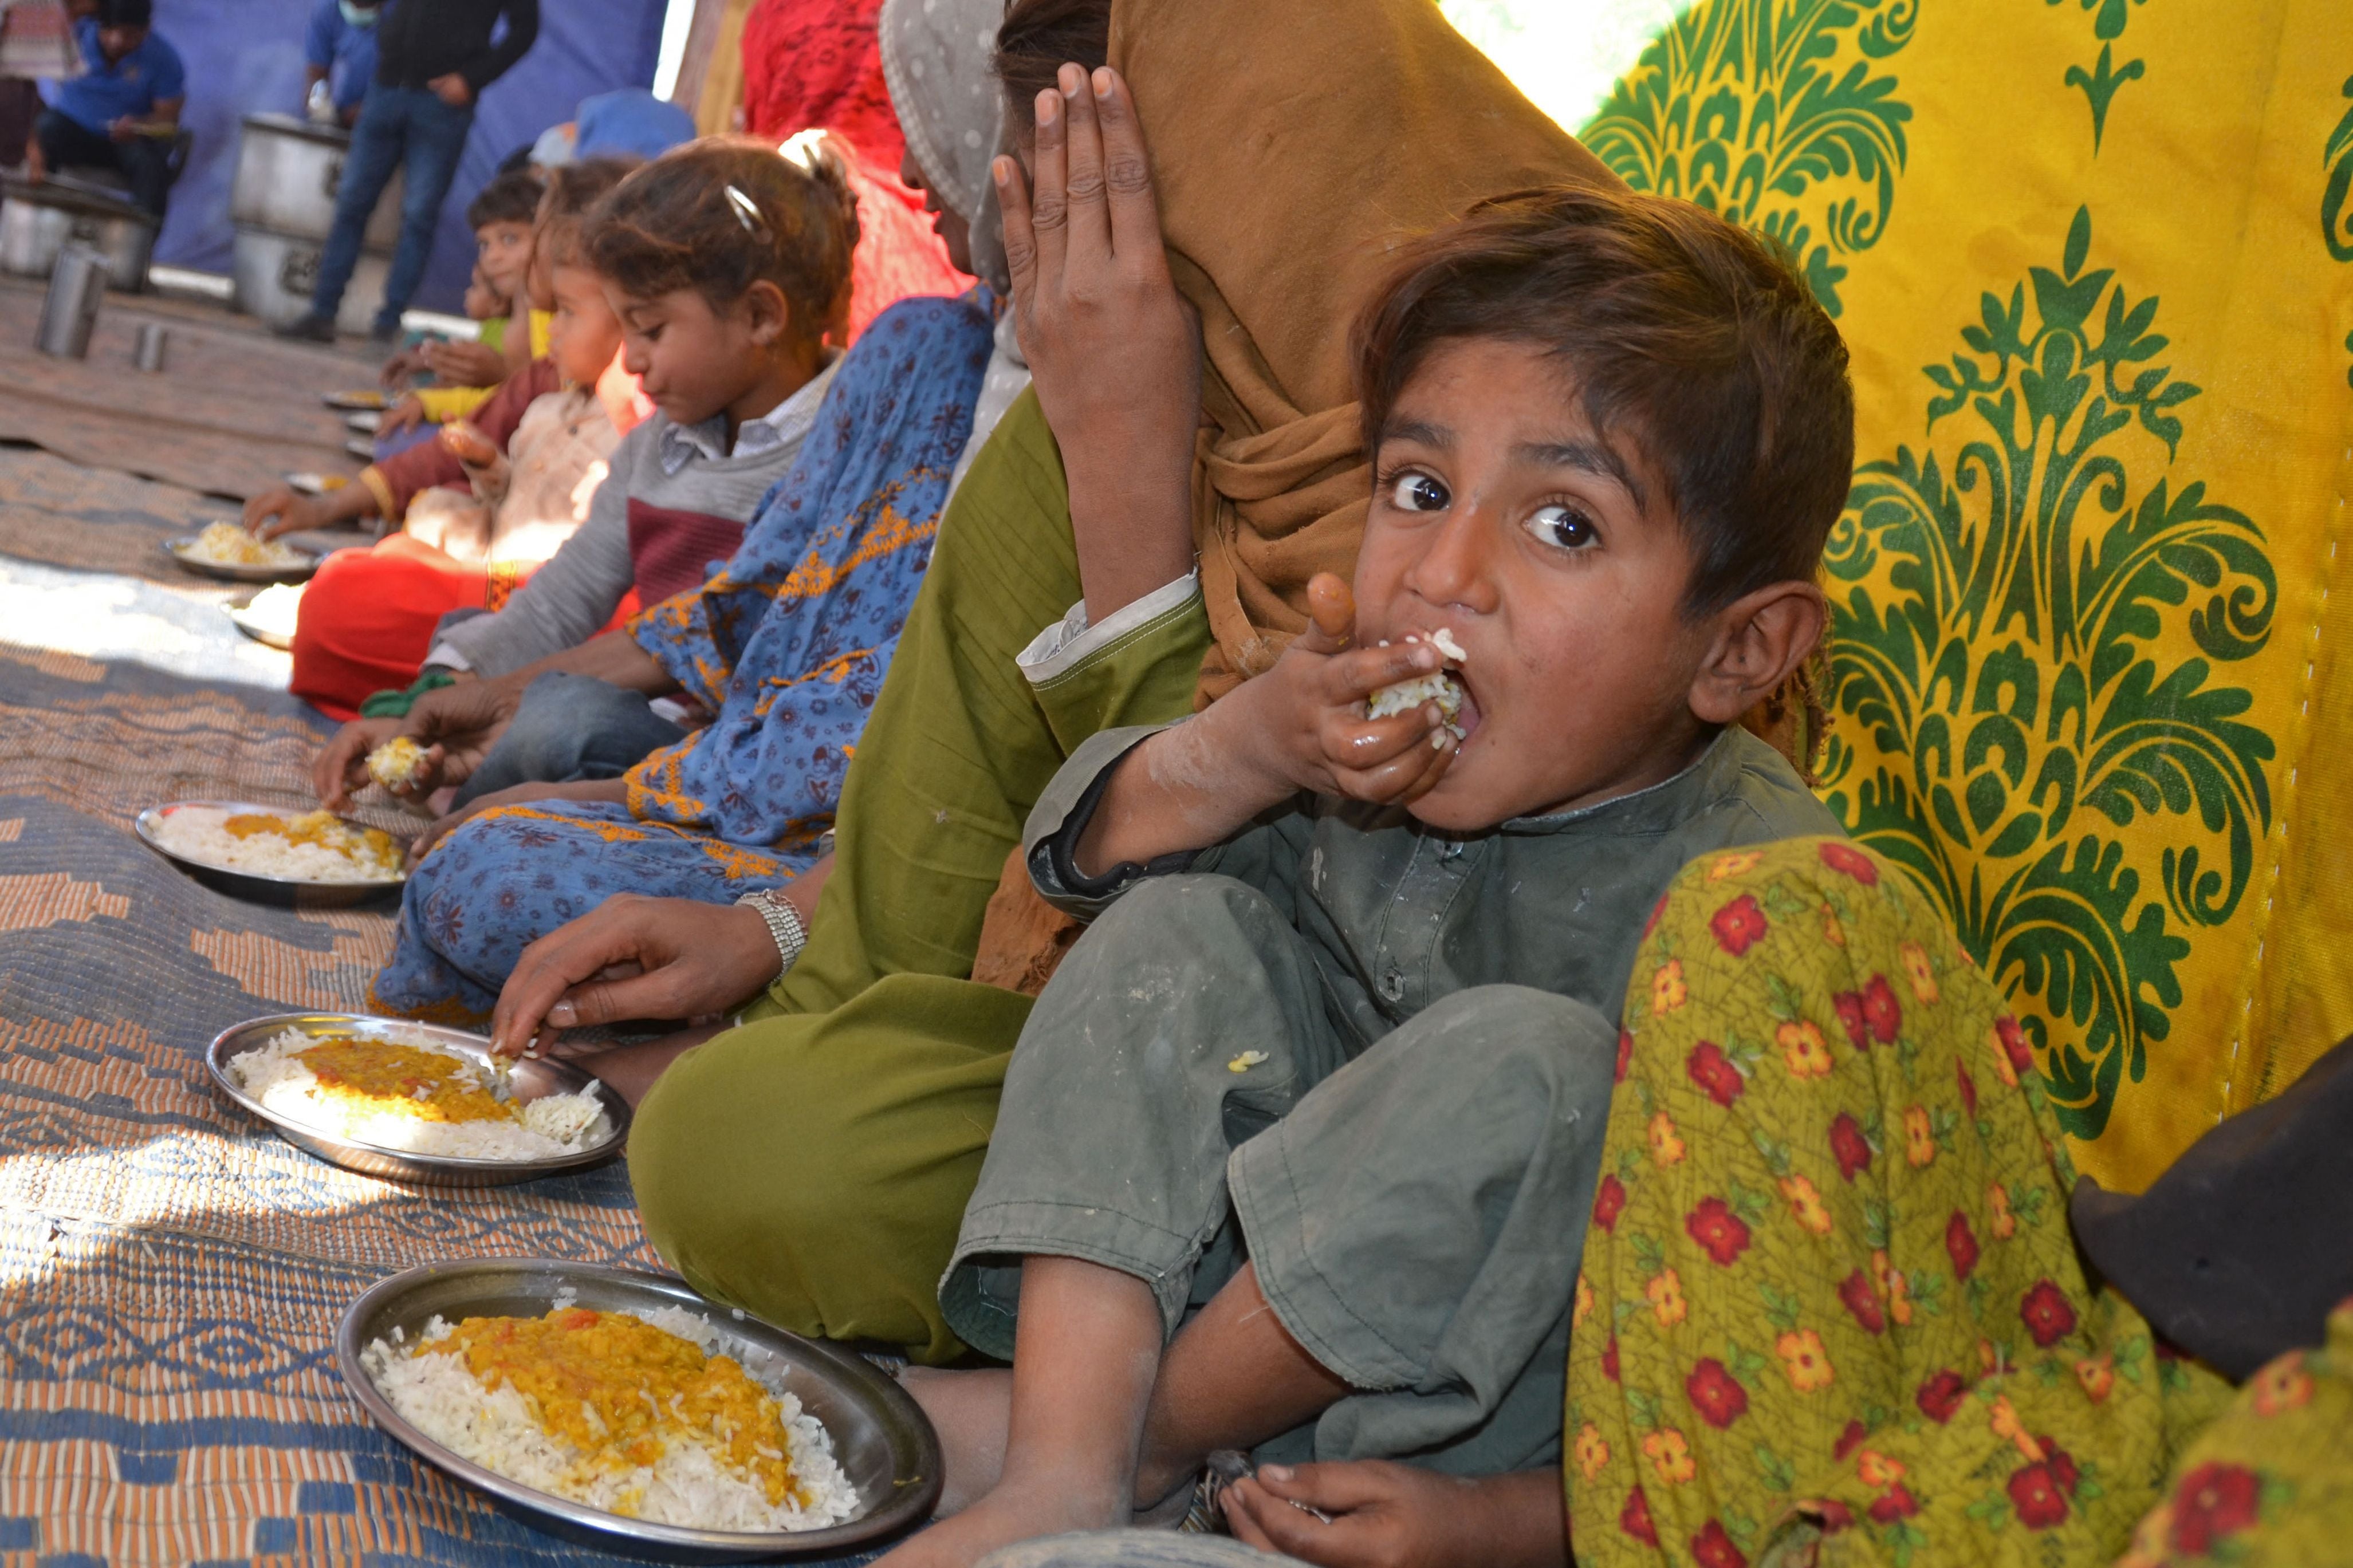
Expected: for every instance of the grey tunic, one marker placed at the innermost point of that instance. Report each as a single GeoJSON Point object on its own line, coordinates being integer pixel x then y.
{"type": "Point", "coordinates": [1373, 1059]}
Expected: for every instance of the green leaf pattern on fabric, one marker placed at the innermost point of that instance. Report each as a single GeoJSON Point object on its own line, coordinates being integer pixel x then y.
{"type": "Point", "coordinates": [1774, 113]}
{"type": "Point", "coordinates": [2099, 83]}
{"type": "Point", "coordinates": [2013, 596]}
{"type": "Point", "coordinates": [2336, 215]}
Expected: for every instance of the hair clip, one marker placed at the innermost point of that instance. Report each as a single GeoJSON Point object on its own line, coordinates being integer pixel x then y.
{"type": "Point", "coordinates": [747, 211]}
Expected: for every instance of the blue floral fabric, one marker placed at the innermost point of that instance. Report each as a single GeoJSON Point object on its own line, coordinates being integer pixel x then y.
{"type": "Point", "coordinates": [787, 646]}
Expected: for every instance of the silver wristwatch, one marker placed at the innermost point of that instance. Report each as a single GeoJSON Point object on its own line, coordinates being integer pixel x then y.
{"type": "Point", "coordinates": [784, 924]}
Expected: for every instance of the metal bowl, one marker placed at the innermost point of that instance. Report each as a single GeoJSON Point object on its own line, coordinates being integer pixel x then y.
{"type": "Point", "coordinates": [883, 1441]}
{"type": "Point", "coordinates": [286, 890]}
{"type": "Point", "coordinates": [533, 1079]}
{"type": "Point", "coordinates": [177, 549]}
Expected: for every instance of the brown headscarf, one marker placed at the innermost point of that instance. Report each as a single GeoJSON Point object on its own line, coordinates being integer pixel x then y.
{"type": "Point", "coordinates": [1295, 143]}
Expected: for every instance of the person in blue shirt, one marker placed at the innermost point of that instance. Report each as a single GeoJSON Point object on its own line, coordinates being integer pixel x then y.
{"type": "Point", "coordinates": [340, 50]}
{"type": "Point", "coordinates": [433, 60]}
{"type": "Point", "coordinates": [123, 112]}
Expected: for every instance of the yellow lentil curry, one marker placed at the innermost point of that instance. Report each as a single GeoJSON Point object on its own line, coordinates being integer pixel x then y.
{"type": "Point", "coordinates": [365, 845]}
{"type": "Point", "coordinates": [377, 1075]}
{"type": "Point", "coordinates": [616, 1389]}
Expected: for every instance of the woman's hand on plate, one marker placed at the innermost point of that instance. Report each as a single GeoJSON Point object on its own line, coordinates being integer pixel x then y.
{"type": "Point", "coordinates": [634, 957]}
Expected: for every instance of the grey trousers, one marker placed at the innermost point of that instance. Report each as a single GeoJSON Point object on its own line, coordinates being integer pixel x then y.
{"type": "Point", "coordinates": [1181, 1101]}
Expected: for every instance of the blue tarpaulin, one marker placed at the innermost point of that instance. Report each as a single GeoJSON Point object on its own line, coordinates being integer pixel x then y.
{"type": "Point", "coordinates": [244, 56]}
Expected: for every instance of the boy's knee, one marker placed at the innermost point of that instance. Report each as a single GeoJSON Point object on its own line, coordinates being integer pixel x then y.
{"type": "Point", "coordinates": [1536, 1040]}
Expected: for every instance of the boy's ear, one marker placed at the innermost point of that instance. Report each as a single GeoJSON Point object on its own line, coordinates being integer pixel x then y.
{"type": "Point", "coordinates": [1760, 639]}
{"type": "Point", "coordinates": [770, 314]}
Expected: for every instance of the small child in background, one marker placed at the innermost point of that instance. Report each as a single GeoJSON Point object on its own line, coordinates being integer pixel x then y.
{"type": "Point", "coordinates": [486, 503]}
{"type": "Point", "coordinates": [504, 218]}
{"type": "Point", "coordinates": [727, 264]}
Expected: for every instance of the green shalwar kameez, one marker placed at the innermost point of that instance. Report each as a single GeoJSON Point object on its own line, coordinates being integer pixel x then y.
{"type": "Point", "coordinates": [1372, 1059]}
{"type": "Point", "coordinates": [811, 1166]}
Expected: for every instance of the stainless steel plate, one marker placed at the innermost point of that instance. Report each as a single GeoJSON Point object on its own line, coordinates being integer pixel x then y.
{"type": "Point", "coordinates": [316, 484]}
{"type": "Point", "coordinates": [256, 884]}
{"type": "Point", "coordinates": [533, 1079]}
{"type": "Point", "coordinates": [885, 1444]}
{"type": "Point", "coordinates": [365, 421]}
{"type": "Point", "coordinates": [357, 399]}
{"type": "Point", "coordinates": [177, 549]}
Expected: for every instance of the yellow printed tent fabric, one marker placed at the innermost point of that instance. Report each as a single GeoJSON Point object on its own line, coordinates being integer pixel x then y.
{"type": "Point", "coordinates": [2095, 258]}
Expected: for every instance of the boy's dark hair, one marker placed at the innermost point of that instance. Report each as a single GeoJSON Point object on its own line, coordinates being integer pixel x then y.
{"type": "Point", "coordinates": [126, 12]}
{"type": "Point", "coordinates": [572, 192]}
{"type": "Point", "coordinates": [1037, 39]}
{"type": "Point", "coordinates": [1688, 334]}
{"type": "Point", "coordinates": [721, 214]}
{"type": "Point", "coordinates": [507, 198]}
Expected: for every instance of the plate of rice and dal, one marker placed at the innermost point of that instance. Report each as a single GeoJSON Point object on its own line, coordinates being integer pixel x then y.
{"type": "Point", "coordinates": [311, 857]}
{"type": "Point", "coordinates": [229, 550]}
{"type": "Point", "coordinates": [358, 400]}
{"type": "Point", "coordinates": [413, 1102]}
{"type": "Point", "coordinates": [622, 1410]}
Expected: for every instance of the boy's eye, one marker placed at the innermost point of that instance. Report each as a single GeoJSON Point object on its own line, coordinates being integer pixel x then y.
{"type": "Point", "coordinates": [1418, 492]}
{"type": "Point", "coordinates": [1563, 528]}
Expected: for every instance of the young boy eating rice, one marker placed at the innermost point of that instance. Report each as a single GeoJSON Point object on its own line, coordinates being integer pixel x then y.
{"type": "Point", "coordinates": [1297, 1150]}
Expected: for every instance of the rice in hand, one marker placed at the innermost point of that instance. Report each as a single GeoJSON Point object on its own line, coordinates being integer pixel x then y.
{"type": "Point", "coordinates": [228, 544]}
{"type": "Point", "coordinates": [1439, 685]}
{"type": "Point", "coordinates": [396, 763]}
{"type": "Point", "coordinates": [634, 1413]}
{"type": "Point", "coordinates": [413, 1098]}
{"type": "Point", "coordinates": [315, 847]}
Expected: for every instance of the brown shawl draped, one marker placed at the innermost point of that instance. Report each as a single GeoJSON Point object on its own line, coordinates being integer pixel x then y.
{"type": "Point", "coordinates": [1295, 144]}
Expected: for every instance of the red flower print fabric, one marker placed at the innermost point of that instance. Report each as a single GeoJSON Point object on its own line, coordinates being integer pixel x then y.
{"type": "Point", "coordinates": [1830, 1311]}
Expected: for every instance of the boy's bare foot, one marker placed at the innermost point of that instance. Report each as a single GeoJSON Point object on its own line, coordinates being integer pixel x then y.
{"type": "Point", "coordinates": [970, 1410]}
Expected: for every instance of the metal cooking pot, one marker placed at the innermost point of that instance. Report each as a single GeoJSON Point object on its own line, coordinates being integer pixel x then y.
{"type": "Point", "coordinates": [274, 273]}
{"type": "Point", "coordinates": [286, 172]}
{"type": "Point", "coordinates": [38, 221]}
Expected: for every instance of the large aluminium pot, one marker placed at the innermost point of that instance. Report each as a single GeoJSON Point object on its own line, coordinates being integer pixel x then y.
{"type": "Point", "coordinates": [274, 273]}
{"type": "Point", "coordinates": [37, 221]}
{"type": "Point", "coordinates": [286, 172]}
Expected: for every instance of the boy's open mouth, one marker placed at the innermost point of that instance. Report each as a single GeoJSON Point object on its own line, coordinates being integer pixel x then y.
{"type": "Point", "coordinates": [1466, 718]}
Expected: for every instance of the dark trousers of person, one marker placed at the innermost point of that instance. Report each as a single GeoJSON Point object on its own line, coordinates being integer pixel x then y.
{"type": "Point", "coordinates": [397, 125]}
{"type": "Point", "coordinates": [144, 161]}
{"type": "Point", "coordinates": [568, 729]}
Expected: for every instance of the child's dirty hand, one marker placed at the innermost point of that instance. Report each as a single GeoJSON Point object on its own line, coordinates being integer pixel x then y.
{"type": "Point", "coordinates": [468, 445]}
{"type": "Point", "coordinates": [278, 510]}
{"type": "Point", "coordinates": [401, 416]}
{"type": "Point", "coordinates": [1371, 1513]}
{"type": "Point", "coordinates": [1319, 690]}
{"type": "Point", "coordinates": [466, 364]}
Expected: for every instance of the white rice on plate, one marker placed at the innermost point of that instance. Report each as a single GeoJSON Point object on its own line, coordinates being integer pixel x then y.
{"type": "Point", "coordinates": [691, 1480]}
{"type": "Point", "coordinates": [553, 1125]}
{"type": "Point", "coordinates": [312, 847]}
{"type": "Point", "coordinates": [228, 544]}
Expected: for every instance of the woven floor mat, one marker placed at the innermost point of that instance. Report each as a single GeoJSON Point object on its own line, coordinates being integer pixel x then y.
{"type": "Point", "coordinates": [170, 1274]}
{"type": "Point", "coordinates": [232, 411]}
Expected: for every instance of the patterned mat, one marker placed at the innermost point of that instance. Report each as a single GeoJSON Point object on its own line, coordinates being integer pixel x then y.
{"type": "Point", "coordinates": [170, 1274]}
{"type": "Point", "coordinates": [232, 410]}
